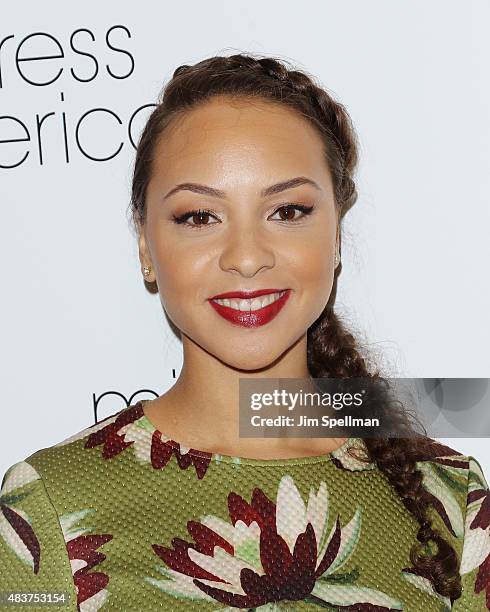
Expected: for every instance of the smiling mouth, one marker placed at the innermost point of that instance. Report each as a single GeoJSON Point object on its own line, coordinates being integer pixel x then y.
{"type": "Point", "coordinates": [251, 312]}
{"type": "Point", "coordinates": [252, 304]}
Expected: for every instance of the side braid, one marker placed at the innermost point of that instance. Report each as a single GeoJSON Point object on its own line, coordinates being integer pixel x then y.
{"type": "Point", "coordinates": [333, 352]}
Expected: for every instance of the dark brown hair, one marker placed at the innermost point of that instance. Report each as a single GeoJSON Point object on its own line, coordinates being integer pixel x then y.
{"type": "Point", "coordinates": [332, 349]}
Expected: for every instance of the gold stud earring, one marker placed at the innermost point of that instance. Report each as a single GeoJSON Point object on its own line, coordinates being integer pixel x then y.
{"type": "Point", "coordinates": [146, 270]}
{"type": "Point", "coordinates": [337, 259]}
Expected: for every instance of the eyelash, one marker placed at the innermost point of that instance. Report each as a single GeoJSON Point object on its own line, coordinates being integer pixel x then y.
{"type": "Point", "coordinates": [181, 219]}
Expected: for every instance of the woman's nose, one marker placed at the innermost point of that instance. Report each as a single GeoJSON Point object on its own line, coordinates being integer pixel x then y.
{"type": "Point", "coordinates": [247, 252]}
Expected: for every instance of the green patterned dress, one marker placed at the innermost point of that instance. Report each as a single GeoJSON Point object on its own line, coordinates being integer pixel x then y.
{"type": "Point", "coordinates": [120, 517]}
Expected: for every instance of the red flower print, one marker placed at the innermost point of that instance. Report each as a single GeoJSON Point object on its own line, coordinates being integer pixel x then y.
{"type": "Point", "coordinates": [83, 556]}
{"type": "Point", "coordinates": [270, 553]}
{"type": "Point", "coordinates": [150, 446]}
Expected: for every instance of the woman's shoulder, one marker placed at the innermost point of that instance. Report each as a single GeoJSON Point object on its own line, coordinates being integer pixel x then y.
{"type": "Point", "coordinates": [460, 497]}
{"type": "Point", "coordinates": [449, 474]}
{"type": "Point", "coordinates": [454, 482]}
{"type": "Point", "coordinates": [448, 463]}
{"type": "Point", "coordinates": [431, 453]}
{"type": "Point", "coordinates": [52, 510]}
{"type": "Point", "coordinates": [65, 460]}
{"type": "Point", "coordinates": [459, 494]}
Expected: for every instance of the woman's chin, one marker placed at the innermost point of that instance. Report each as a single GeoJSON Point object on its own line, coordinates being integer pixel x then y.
{"type": "Point", "coordinates": [250, 361]}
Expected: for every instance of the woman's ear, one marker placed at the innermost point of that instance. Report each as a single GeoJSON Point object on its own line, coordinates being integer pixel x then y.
{"type": "Point", "coordinates": [144, 257]}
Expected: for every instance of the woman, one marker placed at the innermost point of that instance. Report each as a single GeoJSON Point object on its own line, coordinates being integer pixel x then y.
{"type": "Point", "coordinates": [243, 175]}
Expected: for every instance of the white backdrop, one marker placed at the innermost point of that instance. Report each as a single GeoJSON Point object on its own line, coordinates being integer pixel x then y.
{"type": "Point", "coordinates": [76, 319]}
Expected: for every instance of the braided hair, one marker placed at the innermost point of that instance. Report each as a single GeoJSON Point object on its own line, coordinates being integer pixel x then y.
{"type": "Point", "coordinates": [332, 350]}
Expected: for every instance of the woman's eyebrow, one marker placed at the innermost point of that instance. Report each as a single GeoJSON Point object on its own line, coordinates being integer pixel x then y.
{"type": "Point", "coordinates": [267, 191]}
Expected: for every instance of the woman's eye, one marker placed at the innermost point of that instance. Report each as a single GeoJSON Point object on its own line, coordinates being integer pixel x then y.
{"type": "Point", "coordinates": [199, 218]}
{"type": "Point", "coordinates": [288, 212]}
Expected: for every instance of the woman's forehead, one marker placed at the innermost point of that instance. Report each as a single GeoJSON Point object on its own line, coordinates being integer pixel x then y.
{"type": "Point", "coordinates": [226, 139]}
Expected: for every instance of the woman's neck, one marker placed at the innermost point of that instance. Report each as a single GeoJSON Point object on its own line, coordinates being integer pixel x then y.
{"type": "Point", "coordinates": [201, 410]}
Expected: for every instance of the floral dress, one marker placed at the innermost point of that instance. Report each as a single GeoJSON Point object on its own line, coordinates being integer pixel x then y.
{"type": "Point", "coordinates": [120, 517]}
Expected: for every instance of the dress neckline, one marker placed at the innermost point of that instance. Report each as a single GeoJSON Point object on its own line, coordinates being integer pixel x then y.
{"type": "Point", "coordinates": [339, 456]}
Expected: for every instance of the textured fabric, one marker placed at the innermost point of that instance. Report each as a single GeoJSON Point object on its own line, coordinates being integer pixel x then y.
{"type": "Point", "coordinates": [123, 518]}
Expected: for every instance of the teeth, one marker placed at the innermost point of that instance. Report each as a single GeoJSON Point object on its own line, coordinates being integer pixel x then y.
{"type": "Point", "coordinates": [250, 305]}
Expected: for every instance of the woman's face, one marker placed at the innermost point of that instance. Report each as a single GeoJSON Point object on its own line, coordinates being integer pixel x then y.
{"type": "Point", "coordinates": [246, 241]}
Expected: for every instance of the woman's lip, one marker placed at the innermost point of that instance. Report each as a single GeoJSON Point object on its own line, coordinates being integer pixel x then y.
{"type": "Point", "coordinates": [245, 295]}
{"type": "Point", "coordinates": [254, 318]}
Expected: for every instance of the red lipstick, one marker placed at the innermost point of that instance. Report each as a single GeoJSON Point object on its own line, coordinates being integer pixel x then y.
{"type": "Point", "coordinates": [253, 318]}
